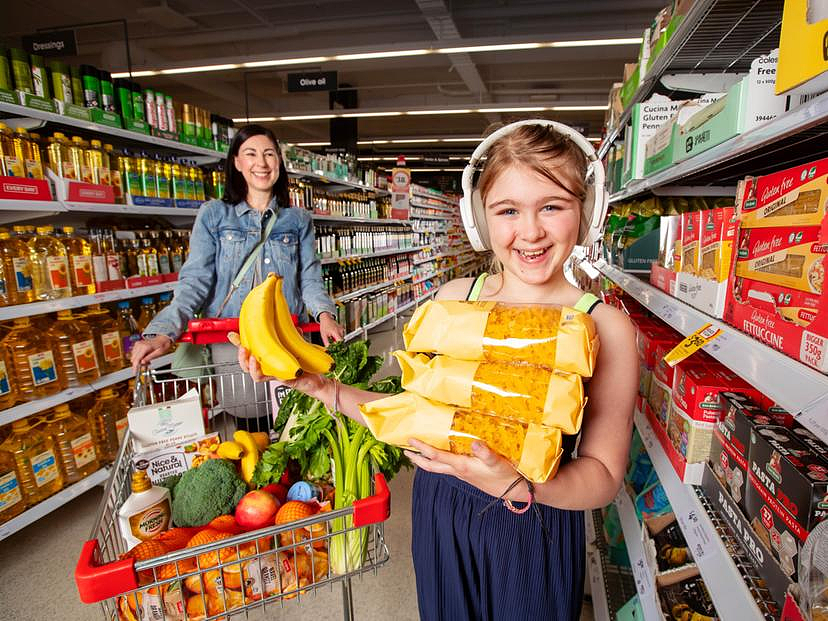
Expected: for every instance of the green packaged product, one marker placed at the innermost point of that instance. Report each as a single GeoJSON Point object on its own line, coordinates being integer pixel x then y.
{"type": "Point", "coordinates": [137, 102]}
{"type": "Point", "coordinates": [77, 86]}
{"type": "Point", "coordinates": [123, 98]}
{"type": "Point", "coordinates": [21, 70]}
{"type": "Point", "coordinates": [40, 81]}
{"type": "Point", "coordinates": [107, 100]}
{"type": "Point", "coordinates": [5, 70]}
{"type": "Point", "coordinates": [91, 86]}
{"type": "Point", "coordinates": [61, 81]}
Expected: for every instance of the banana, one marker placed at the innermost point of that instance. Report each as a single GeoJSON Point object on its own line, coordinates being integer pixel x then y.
{"type": "Point", "coordinates": [312, 358]}
{"type": "Point", "coordinates": [230, 450]}
{"type": "Point", "coordinates": [251, 454]}
{"type": "Point", "coordinates": [258, 333]}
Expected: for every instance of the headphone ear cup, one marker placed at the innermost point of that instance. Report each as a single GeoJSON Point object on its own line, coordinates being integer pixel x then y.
{"type": "Point", "coordinates": [474, 221]}
{"type": "Point", "coordinates": [479, 214]}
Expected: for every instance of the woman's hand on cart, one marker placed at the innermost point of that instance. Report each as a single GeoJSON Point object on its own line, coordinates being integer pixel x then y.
{"type": "Point", "coordinates": [148, 349]}
{"type": "Point", "coordinates": [329, 330]}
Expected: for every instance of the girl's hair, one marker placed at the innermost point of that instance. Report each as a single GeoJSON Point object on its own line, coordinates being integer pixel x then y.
{"type": "Point", "coordinates": [542, 149]}
{"type": "Point", "coordinates": [235, 187]}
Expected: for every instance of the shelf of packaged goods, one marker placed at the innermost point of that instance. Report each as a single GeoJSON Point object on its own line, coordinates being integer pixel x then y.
{"type": "Point", "coordinates": [792, 138]}
{"type": "Point", "coordinates": [131, 210]}
{"type": "Point", "coordinates": [434, 275]}
{"type": "Point", "coordinates": [421, 205]}
{"type": "Point", "coordinates": [382, 253]}
{"type": "Point", "coordinates": [306, 174]}
{"type": "Point", "coordinates": [78, 301]}
{"type": "Point", "coordinates": [727, 588]}
{"type": "Point", "coordinates": [415, 216]}
{"type": "Point", "coordinates": [125, 134]}
{"type": "Point", "coordinates": [715, 36]}
{"type": "Point", "coordinates": [370, 326]}
{"type": "Point", "coordinates": [355, 294]}
{"type": "Point", "coordinates": [595, 571]}
{"type": "Point", "coordinates": [439, 197]}
{"type": "Point", "coordinates": [794, 386]}
{"type": "Point", "coordinates": [354, 220]}
{"type": "Point", "coordinates": [45, 507]}
{"type": "Point", "coordinates": [431, 258]}
{"type": "Point", "coordinates": [38, 405]}
{"type": "Point", "coordinates": [644, 579]}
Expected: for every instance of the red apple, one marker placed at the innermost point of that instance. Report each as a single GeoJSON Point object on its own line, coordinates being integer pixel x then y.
{"type": "Point", "coordinates": [256, 510]}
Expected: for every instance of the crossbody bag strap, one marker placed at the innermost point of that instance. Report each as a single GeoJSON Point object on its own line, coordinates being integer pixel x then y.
{"type": "Point", "coordinates": [248, 262]}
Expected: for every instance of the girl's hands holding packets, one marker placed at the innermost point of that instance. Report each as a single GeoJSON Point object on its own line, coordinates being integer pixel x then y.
{"type": "Point", "coordinates": [486, 470]}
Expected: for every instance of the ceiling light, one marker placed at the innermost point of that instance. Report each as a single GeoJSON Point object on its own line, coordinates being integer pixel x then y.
{"type": "Point", "coordinates": [135, 74]}
{"type": "Point", "coordinates": [313, 144]}
{"type": "Point", "coordinates": [462, 139]}
{"type": "Point", "coordinates": [306, 117]}
{"type": "Point", "coordinates": [372, 142]}
{"type": "Point", "coordinates": [286, 61]}
{"type": "Point", "coordinates": [522, 109]}
{"type": "Point", "coordinates": [423, 112]}
{"type": "Point", "coordinates": [388, 54]}
{"type": "Point", "coordinates": [414, 140]}
{"type": "Point", "coordinates": [577, 108]}
{"type": "Point", "coordinates": [352, 115]}
{"type": "Point", "coordinates": [458, 157]}
{"type": "Point", "coordinates": [489, 48]}
{"type": "Point", "coordinates": [596, 42]}
{"type": "Point", "coordinates": [201, 69]}
{"type": "Point", "coordinates": [255, 119]}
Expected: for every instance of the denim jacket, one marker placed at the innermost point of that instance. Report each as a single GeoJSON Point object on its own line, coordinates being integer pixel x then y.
{"type": "Point", "coordinates": [222, 238]}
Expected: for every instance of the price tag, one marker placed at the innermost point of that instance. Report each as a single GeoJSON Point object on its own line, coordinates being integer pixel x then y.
{"type": "Point", "coordinates": [700, 539]}
{"type": "Point", "coordinates": [641, 574]}
{"type": "Point", "coordinates": [692, 344]}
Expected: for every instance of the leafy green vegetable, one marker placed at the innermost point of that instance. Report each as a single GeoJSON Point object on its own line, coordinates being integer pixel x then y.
{"type": "Point", "coordinates": [206, 492]}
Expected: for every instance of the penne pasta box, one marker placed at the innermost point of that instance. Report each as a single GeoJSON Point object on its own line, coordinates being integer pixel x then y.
{"type": "Point", "coordinates": [555, 337]}
{"type": "Point", "coordinates": [717, 232]}
{"type": "Point", "coordinates": [535, 450]}
{"type": "Point", "coordinates": [690, 224]}
{"type": "Point", "coordinates": [520, 392]}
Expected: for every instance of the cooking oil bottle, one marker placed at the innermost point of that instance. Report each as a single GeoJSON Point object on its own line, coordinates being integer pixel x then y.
{"type": "Point", "coordinates": [28, 153]}
{"type": "Point", "coordinates": [18, 266]}
{"type": "Point", "coordinates": [164, 300]}
{"type": "Point", "coordinates": [5, 278]}
{"type": "Point", "coordinates": [12, 497]}
{"type": "Point", "coordinates": [108, 419]}
{"type": "Point", "coordinates": [36, 460]}
{"type": "Point", "coordinates": [146, 173]}
{"type": "Point", "coordinates": [107, 339]}
{"type": "Point", "coordinates": [68, 168]}
{"type": "Point", "coordinates": [179, 185]}
{"type": "Point", "coordinates": [162, 178]}
{"type": "Point", "coordinates": [111, 158]}
{"type": "Point", "coordinates": [35, 372]}
{"type": "Point", "coordinates": [162, 251]}
{"type": "Point", "coordinates": [198, 181]}
{"type": "Point", "coordinates": [73, 441]}
{"type": "Point", "coordinates": [77, 157]}
{"type": "Point", "coordinates": [74, 347]}
{"type": "Point", "coordinates": [8, 388]}
{"type": "Point", "coordinates": [11, 165]}
{"type": "Point", "coordinates": [81, 271]}
{"type": "Point", "coordinates": [50, 265]}
{"type": "Point", "coordinates": [148, 311]}
{"type": "Point", "coordinates": [127, 327]}
{"type": "Point", "coordinates": [95, 163]}
{"type": "Point", "coordinates": [130, 178]}
{"type": "Point", "coordinates": [150, 257]}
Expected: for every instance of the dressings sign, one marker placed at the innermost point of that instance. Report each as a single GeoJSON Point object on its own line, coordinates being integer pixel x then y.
{"type": "Point", "coordinates": [54, 43]}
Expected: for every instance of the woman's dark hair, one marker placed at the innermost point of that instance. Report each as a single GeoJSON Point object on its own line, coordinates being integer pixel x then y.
{"type": "Point", "coordinates": [235, 187]}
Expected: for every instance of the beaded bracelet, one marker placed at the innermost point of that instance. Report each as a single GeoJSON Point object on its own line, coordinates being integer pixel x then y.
{"type": "Point", "coordinates": [508, 503]}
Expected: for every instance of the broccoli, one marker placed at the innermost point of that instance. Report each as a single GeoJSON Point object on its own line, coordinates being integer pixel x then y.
{"type": "Point", "coordinates": [212, 489]}
{"type": "Point", "coordinates": [170, 482]}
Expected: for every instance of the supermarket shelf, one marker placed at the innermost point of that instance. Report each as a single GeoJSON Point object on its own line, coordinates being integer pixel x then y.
{"type": "Point", "coordinates": [50, 117]}
{"type": "Point", "coordinates": [378, 286]}
{"type": "Point", "coordinates": [595, 571]}
{"type": "Point", "coordinates": [644, 579]}
{"type": "Point", "coordinates": [715, 36]}
{"type": "Point", "coordinates": [438, 197]}
{"type": "Point", "coordinates": [370, 326]}
{"type": "Point", "coordinates": [794, 137]}
{"type": "Point", "coordinates": [53, 502]}
{"type": "Point", "coordinates": [383, 253]}
{"type": "Point", "coordinates": [796, 387]}
{"type": "Point", "coordinates": [8, 204]}
{"type": "Point", "coordinates": [442, 255]}
{"type": "Point", "coordinates": [434, 275]}
{"type": "Point", "coordinates": [306, 174]}
{"type": "Point", "coordinates": [131, 210]}
{"type": "Point", "coordinates": [447, 210]}
{"type": "Point", "coordinates": [415, 216]}
{"type": "Point", "coordinates": [730, 594]}
{"type": "Point", "coordinates": [33, 407]}
{"type": "Point", "coordinates": [78, 301]}
{"type": "Point", "coordinates": [352, 220]}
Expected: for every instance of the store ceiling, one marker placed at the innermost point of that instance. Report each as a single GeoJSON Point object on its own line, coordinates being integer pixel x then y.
{"type": "Point", "coordinates": [178, 33]}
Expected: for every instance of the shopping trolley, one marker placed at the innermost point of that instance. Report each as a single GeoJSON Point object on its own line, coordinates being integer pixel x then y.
{"type": "Point", "coordinates": [234, 575]}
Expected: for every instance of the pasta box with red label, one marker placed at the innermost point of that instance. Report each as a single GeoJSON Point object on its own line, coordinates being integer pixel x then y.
{"type": "Point", "coordinates": [787, 492]}
{"type": "Point", "coordinates": [650, 336]}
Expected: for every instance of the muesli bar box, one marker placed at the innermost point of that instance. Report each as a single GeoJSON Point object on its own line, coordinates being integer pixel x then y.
{"type": "Point", "coordinates": [787, 492]}
{"type": "Point", "coordinates": [797, 196]}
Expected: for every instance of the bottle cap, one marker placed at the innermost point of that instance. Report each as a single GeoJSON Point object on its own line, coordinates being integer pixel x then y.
{"type": "Point", "coordinates": [124, 304]}
{"type": "Point", "coordinates": [96, 143]}
{"type": "Point", "coordinates": [140, 481]}
{"type": "Point", "coordinates": [147, 300]}
{"type": "Point", "coordinates": [107, 393]}
{"type": "Point", "coordinates": [68, 230]}
{"type": "Point", "coordinates": [45, 230]}
{"type": "Point", "coordinates": [62, 411]}
{"type": "Point", "coordinates": [64, 315]}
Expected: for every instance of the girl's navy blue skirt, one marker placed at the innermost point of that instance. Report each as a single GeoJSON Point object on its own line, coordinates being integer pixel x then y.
{"type": "Point", "coordinates": [494, 566]}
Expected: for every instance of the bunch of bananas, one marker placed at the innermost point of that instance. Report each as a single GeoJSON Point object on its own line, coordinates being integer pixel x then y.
{"type": "Point", "coordinates": [267, 331]}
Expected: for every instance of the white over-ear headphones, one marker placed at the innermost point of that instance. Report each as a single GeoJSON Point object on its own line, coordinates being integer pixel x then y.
{"type": "Point", "coordinates": [595, 204]}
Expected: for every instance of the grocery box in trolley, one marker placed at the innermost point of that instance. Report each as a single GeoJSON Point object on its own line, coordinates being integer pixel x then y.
{"type": "Point", "coordinates": [796, 261]}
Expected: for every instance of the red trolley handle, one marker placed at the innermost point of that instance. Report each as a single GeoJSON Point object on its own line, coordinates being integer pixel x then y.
{"type": "Point", "coordinates": [204, 331]}
{"type": "Point", "coordinates": [97, 582]}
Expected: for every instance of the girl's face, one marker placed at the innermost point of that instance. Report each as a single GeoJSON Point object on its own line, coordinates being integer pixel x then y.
{"type": "Point", "coordinates": [533, 223]}
{"type": "Point", "coordinates": [258, 162]}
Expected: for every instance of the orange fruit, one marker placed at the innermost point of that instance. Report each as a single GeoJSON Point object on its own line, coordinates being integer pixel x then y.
{"type": "Point", "coordinates": [207, 559]}
{"type": "Point", "coordinates": [143, 552]}
{"type": "Point", "coordinates": [292, 511]}
{"type": "Point", "coordinates": [176, 538]}
{"type": "Point", "coordinates": [225, 524]}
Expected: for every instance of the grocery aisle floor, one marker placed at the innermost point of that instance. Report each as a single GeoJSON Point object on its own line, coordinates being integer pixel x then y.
{"type": "Point", "coordinates": [36, 571]}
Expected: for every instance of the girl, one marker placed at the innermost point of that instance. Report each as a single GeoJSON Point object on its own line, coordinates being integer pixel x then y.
{"type": "Point", "coordinates": [473, 560]}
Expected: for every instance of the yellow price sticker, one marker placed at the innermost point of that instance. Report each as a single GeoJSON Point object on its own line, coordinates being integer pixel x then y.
{"type": "Point", "coordinates": [692, 344]}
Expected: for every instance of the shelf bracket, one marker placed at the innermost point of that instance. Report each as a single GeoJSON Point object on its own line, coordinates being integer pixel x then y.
{"type": "Point", "coordinates": [700, 82]}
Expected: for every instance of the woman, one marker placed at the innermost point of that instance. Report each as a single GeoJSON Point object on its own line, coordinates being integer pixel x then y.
{"type": "Point", "coordinates": [224, 235]}
{"type": "Point", "coordinates": [477, 563]}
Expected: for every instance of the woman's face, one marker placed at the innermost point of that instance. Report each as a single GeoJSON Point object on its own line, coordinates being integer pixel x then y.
{"type": "Point", "coordinates": [258, 162]}
{"type": "Point", "coordinates": [533, 223]}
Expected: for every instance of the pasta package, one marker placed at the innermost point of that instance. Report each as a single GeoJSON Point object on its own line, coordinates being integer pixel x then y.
{"type": "Point", "coordinates": [718, 229]}
{"type": "Point", "coordinates": [523, 393]}
{"type": "Point", "coordinates": [534, 450]}
{"type": "Point", "coordinates": [555, 337]}
{"type": "Point", "coordinates": [789, 257]}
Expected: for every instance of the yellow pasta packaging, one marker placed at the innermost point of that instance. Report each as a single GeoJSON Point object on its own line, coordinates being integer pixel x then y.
{"type": "Point", "coordinates": [534, 450]}
{"type": "Point", "coordinates": [788, 257]}
{"type": "Point", "coordinates": [556, 337]}
{"type": "Point", "coordinates": [519, 392]}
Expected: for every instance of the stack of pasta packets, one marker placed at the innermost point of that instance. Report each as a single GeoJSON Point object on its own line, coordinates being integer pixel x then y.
{"type": "Point", "coordinates": [508, 375]}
